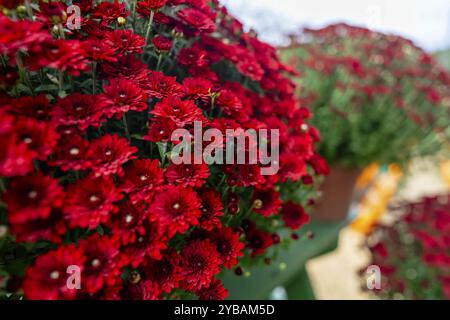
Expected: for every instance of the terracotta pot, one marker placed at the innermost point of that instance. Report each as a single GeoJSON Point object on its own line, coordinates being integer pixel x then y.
{"type": "Point", "coordinates": [337, 195]}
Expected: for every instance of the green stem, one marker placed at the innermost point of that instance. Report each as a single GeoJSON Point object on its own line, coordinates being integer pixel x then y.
{"type": "Point", "coordinates": [60, 83]}
{"type": "Point", "coordinates": [2, 186]}
{"type": "Point", "coordinates": [133, 14]}
{"type": "Point", "coordinates": [149, 27]}
{"type": "Point", "coordinates": [29, 9]}
{"type": "Point", "coordinates": [2, 59]}
{"type": "Point", "coordinates": [125, 124]}
{"type": "Point", "coordinates": [159, 62]}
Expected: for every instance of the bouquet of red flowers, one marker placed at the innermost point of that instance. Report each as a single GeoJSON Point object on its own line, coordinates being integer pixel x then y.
{"type": "Point", "coordinates": [413, 252]}
{"type": "Point", "coordinates": [375, 97]}
{"type": "Point", "coordinates": [93, 204]}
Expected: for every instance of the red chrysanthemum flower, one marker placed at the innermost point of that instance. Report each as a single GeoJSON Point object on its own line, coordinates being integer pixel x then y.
{"type": "Point", "coordinates": [258, 241]}
{"type": "Point", "coordinates": [196, 20]}
{"type": "Point", "coordinates": [294, 215]}
{"type": "Point", "coordinates": [200, 261]}
{"type": "Point", "coordinates": [32, 197]}
{"type": "Point", "coordinates": [160, 129]}
{"type": "Point", "coordinates": [109, 12]}
{"type": "Point", "coordinates": [90, 202]}
{"type": "Point", "coordinates": [192, 57]}
{"type": "Point", "coordinates": [178, 208]}
{"type": "Point", "coordinates": [127, 67]}
{"type": "Point", "coordinates": [27, 35]}
{"type": "Point", "coordinates": [72, 153]}
{"type": "Point", "coordinates": [41, 137]}
{"type": "Point", "coordinates": [188, 175]}
{"type": "Point", "coordinates": [320, 165]}
{"type": "Point", "coordinates": [161, 86]}
{"type": "Point", "coordinates": [109, 153]}
{"type": "Point", "coordinates": [164, 272]}
{"type": "Point", "coordinates": [51, 228]}
{"type": "Point", "coordinates": [63, 55]}
{"type": "Point", "coordinates": [142, 179]}
{"type": "Point", "coordinates": [80, 110]}
{"type": "Point", "coordinates": [128, 223]}
{"type": "Point", "coordinates": [228, 245]}
{"type": "Point", "coordinates": [150, 244]}
{"type": "Point", "coordinates": [266, 202]}
{"type": "Point", "coordinates": [99, 51]}
{"type": "Point", "coordinates": [197, 88]}
{"type": "Point", "coordinates": [151, 5]}
{"type": "Point", "coordinates": [32, 107]}
{"type": "Point", "coordinates": [125, 41]}
{"type": "Point", "coordinates": [102, 266]}
{"type": "Point", "coordinates": [251, 69]}
{"type": "Point", "coordinates": [121, 96]}
{"type": "Point", "coordinates": [16, 159]}
{"type": "Point", "coordinates": [212, 209]}
{"type": "Point", "coordinates": [214, 292]}
{"type": "Point", "coordinates": [179, 111]}
{"type": "Point", "coordinates": [291, 167]}
{"type": "Point", "coordinates": [47, 278]}
{"type": "Point", "coordinates": [162, 44]}
{"type": "Point", "coordinates": [142, 290]}
{"type": "Point", "coordinates": [230, 104]}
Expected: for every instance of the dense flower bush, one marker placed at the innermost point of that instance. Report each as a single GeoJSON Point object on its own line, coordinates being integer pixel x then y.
{"type": "Point", "coordinates": [375, 97]}
{"type": "Point", "coordinates": [85, 160]}
{"type": "Point", "coordinates": [413, 251]}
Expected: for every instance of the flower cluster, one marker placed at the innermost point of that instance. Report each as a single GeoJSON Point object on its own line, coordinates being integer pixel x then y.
{"type": "Point", "coordinates": [413, 252]}
{"type": "Point", "coordinates": [85, 160]}
{"type": "Point", "coordinates": [376, 97]}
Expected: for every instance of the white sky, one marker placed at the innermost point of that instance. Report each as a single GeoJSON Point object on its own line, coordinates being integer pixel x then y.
{"type": "Point", "coordinates": [427, 22]}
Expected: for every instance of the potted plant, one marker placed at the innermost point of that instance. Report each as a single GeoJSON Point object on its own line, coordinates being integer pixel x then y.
{"type": "Point", "coordinates": [90, 193]}
{"type": "Point", "coordinates": [376, 98]}
{"type": "Point", "coordinates": [410, 252]}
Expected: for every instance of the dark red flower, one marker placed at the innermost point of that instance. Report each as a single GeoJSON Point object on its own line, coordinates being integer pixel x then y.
{"type": "Point", "coordinates": [150, 5]}
{"type": "Point", "coordinates": [160, 129]}
{"type": "Point", "coordinates": [266, 201]}
{"type": "Point", "coordinates": [32, 197]}
{"type": "Point", "coordinates": [72, 153]}
{"type": "Point", "coordinates": [228, 245]}
{"type": "Point", "coordinates": [251, 69]}
{"type": "Point", "coordinates": [192, 57]}
{"type": "Point", "coordinates": [27, 35]}
{"type": "Point", "coordinates": [200, 261]}
{"type": "Point", "coordinates": [80, 110]}
{"type": "Point", "coordinates": [128, 223]}
{"type": "Point", "coordinates": [178, 208]}
{"type": "Point", "coordinates": [294, 216]}
{"type": "Point", "coordinates": [196, 20]}
{"type": "Point", "coordinates": [258, 241]}
{"type": "Point", "coordinates": [215, 291]}
{"type": "Point", "coordinates": [164, 272]}
{"type": "Point", "coordinates": [188, 175]}
{"type": "Point", "coordinates": [150, 244]}
{"type": "Point", "coordinates": [33, 107]}
{"type": "Point", "coordinates": [179, 111]}
{"type": "Point", "coordinates": [161, 86]}
{"type": "Point", "coordinates": [16, 159]}
{"type": "Point", "coordinates": [142, 179]}
{"type": "Point", "coordinates": [109, 153]}
{"type": "Point", "coordinates": [125, 41]}
{"type": "Point", "coordinates": [99, 50]}
{"type": "Point", "coordinates": [102, 262]}
{"type": "Point", "coordinates": [196, 88]}
{"type": "Point", "coordinates": [127, 67]}
{"type": "Point", "coordinates": [90, 202]}
{"type": "Point", "coordinates": [142, 290]}
{"type": "Point", "coordinates": [47, 278]}
{"type": "Point", "coordinates": [109, 12]}
{"type": "Point", "coordinates": [212, 209]}
{"type": "Point", "coordinates": [121, 96]}
{"type": "Point", "coordinates": [40, 137]}
{"type": "Point", "coordinates": [162, 44]}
